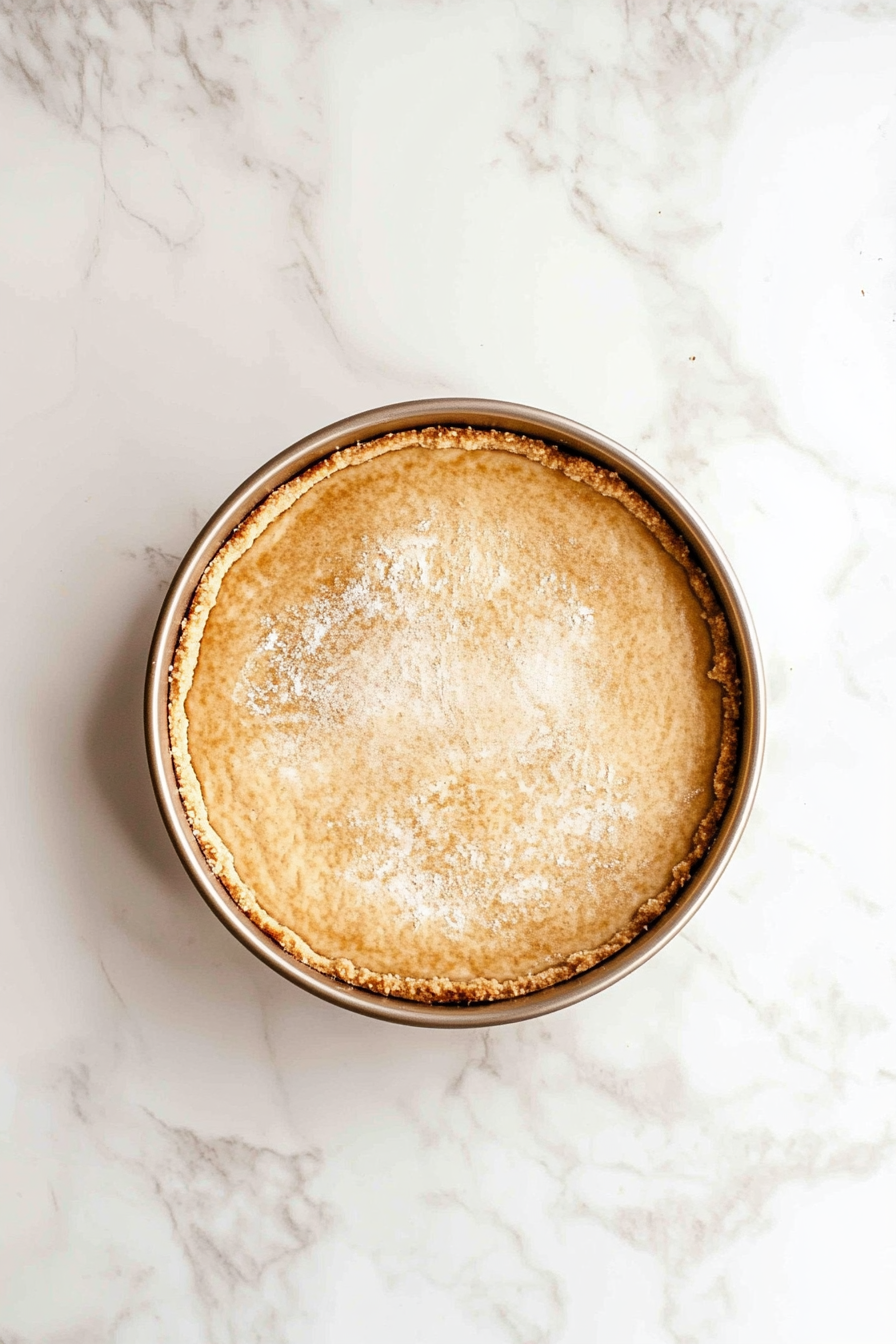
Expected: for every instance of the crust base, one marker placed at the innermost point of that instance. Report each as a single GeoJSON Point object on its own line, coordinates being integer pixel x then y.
{"type": "Point", "coordinates": [220, 860]}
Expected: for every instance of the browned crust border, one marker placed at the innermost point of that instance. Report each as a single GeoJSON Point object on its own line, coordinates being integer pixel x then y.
{"type": "Point", "coordinates": [441, 989]}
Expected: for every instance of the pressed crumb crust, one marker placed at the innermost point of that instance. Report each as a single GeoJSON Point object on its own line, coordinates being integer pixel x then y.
{"type": "Point", "coordinates": [440, 989]}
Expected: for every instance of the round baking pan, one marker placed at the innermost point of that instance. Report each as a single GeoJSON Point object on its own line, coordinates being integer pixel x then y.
{"type": "Point", "coordinates": [487, 415]}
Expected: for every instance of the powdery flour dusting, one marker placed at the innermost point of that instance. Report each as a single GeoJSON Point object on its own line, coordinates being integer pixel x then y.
{"type": "Point", "coordinates": [463, 719]}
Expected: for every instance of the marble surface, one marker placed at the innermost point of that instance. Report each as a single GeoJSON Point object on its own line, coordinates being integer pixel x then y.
{"type": "Point", "coordinates": [224, 225]}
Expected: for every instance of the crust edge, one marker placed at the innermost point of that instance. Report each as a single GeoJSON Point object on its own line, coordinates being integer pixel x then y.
{"type": "Point", "coordinates": [217, 855]}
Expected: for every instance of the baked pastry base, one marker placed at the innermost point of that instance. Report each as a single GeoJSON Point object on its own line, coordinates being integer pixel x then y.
{"type": "Point", "coordinates": [439, 989]}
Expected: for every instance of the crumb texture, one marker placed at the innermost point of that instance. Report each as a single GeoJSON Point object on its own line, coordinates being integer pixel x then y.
{"type": "Point", "coordinates": [453, 714]}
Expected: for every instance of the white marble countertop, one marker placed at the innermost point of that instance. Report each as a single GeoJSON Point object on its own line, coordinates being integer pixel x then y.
{"type": "Point", "coordinates": [224, 225]}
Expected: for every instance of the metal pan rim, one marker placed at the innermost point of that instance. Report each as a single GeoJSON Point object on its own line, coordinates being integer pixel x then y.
{"type": "Point", "coordinates": [482, 414]}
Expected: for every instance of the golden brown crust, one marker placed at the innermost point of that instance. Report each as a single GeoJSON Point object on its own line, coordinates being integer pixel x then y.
{"type": "Point", "coordinates": [607, 483]}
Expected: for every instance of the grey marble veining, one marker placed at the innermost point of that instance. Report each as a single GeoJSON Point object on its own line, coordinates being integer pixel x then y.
{"type": "Point", "coordinates": [224, 225]}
